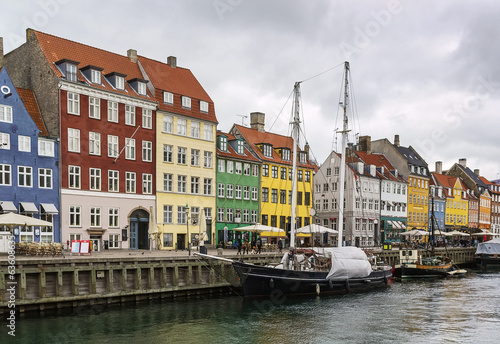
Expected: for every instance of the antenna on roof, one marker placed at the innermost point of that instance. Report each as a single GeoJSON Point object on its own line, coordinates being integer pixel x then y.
{"type": "Point", "coordinates": [243, 119]}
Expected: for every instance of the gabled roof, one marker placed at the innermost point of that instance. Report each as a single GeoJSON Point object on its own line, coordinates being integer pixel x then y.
{"type": "Point", "coordinates": [56, 49]}
{"type": "Point", "coordinates": [181, 82]}
{"type": "Point", "coordinates": [380, 160]}
{"type": "Point", "coordinates": [31, 105]}
{"type": "Point", "coordinates": [231, 153]}
{"type": "Point", "coordinates": [448, 182]}
{"type": "Point", "coordinates": [474, 177]}
{"type": "Point", "coordinates": [255, 137]}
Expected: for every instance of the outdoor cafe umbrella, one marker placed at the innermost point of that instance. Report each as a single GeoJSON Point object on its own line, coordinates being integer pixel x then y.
{"type": "Point", "coordinates": [315, 228]}
{"type": "Point", "coordinates": [12, 220]}
{"type": "Point", "coordinates": [414, 232]}
{"type": "Point", "coordinates": [258, 228]}
{"type": "Point", "coordinates": [457, 233]}
{"type": "Point", "coordinates": [438, 232]}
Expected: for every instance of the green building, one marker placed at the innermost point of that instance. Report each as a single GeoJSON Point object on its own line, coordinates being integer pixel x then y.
{"type": "Point", "coordinates": [238, 189]}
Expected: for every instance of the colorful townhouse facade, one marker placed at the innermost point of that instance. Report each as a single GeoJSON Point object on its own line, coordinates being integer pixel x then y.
{"type": "Point", "coordinates": [456, 203]}
{"type": "Point", "coordinates": [238, 189]}
{"type": "Point", "coordinates": [414, 169]}
{"type": "Point", "coordinates": [29, 174]}
{"type": "Point", "coordinates": [495, 204]}
{"type": "Point", "coordinates": [480, 189]}
{"type": "Point", "coordinates": [393, 190]}
{"type": "Point", "coordinates": [437, 205]}
{"type": "Point", "coordinates": [275, 151]}
{"type": "Point", "coordinates": [98, 105]}
{"type": "Point", "coordinates": [186, 155]}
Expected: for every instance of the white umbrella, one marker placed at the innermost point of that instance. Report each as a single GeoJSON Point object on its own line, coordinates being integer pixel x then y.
{"type": "Point", "coordinates": [457, 233]}
{"type": "Point", "coordinates": [12, 220]}
{"type": "Point", "coordinates": [258, 228]}
{"type": "Point", "coordinates": [438, 232]}
{"type": "Point", "coordinates": [414, 232]}
{"type": "Point", "coordinates": [315, 228]}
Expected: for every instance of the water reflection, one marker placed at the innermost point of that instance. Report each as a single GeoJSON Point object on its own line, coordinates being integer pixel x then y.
{"type": "Point", "coordinates": [452, 310]}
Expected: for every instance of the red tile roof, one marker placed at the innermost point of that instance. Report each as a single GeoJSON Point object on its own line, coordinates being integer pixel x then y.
{"type": "Point", "coordinates": [255, 137]}
{"type": "Point", "coordinates": [56, 49]}
{"type": "Point", "coordinates": [448, 182]}
{"type": "Point", "coordinates": [31, 105]}
{"type": "Point", "coordinates": [181, 82]}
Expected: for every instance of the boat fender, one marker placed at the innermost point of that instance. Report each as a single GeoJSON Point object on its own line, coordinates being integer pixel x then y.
{"type": "Point", "coordinates": [330, 284]}
{"type": "Point", "coordinates": [347, 287]}
{"type": "Point", "coordinates": [271, 283]}
{"type": "Point", "coordinates": [318, 289]}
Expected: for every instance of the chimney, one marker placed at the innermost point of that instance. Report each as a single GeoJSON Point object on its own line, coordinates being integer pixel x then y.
{"type": "Point", "coordinates": [396, 140]}
{"type": "Point", "coordinates": [172, 61]}
{"type": "Point", "coordinates": [1, 52]}
{"type": "Point", "coordinates": [439, 167]}
{"type": "Point", "coordinates": [365, 144]}
{"type": "Point", "coordinates": [463, 162]}
{"type": "Point", "coordinates": [257, 121]}
{"type": "Point", "coordinates": [132, 55]}
{"type": "Point", "coordinates": [476, 172]}
{"type": "Point", "coordinates": [306, 149]}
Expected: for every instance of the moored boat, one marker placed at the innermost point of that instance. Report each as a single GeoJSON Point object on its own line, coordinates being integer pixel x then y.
{"type": "Point", "coordinates": [488, 254]}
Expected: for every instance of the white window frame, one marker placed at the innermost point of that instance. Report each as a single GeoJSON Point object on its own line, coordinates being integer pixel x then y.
{"type": "Point", "coordinates": [95, 217]}
{"type": "Point", "coordinates": [112, 111]}
{"type": "Point", "coordinates": [181, 155]}
{"type": "Point", "coordinates": [94, 108]}
{"type": "Point", "coordinates": [129, 148]}
{"type": "Point", "coordinates": [73, 103]}
{"type": "Point", "coordinates": [74, 173]}
{"type": "Point", "coordinates": [94, 179]}
{"type": "Point", "coordinates": [207, 159]}
{"type": "Point", "coordinates": [141, 88]}
{"type": "Point", "coordinates": [5, 174]}
{"type": "Point", "coordinates": [45, 148]}
{"type": "Point", "coordinates": [94, 143]}
{"type": "Point", "coordinates": [95, 76]}
{"type": "Point", "coordinates": [195, 129]}
{"type": "Point", "coordinates": [168, 213]}
{"type": "Point", "coordinates": [5, 113]}
{"type": "Point", "coordinates": [221, 190]}
{"type": "Point", "coordinates": [45, 178]}
{"type": "Point", "coordinates": [255, 193]}
{"type": "Point", "coordinates": [168, 182]}
{"type": "Point", "coordinates": [147, 183]}
{"type": "Point", "coordinates": [168, 97]}
{"type": "Point", "coordinates": [114, 218]}
{"type": "Point", "coordinates": [207, 186]}
{"type": "Point", "coordinates": [195, 157]}
{"type": "Point", "coordinates": [203, 106]}
{"type": "Point", "coordinates": [5, 141]}
{"type": "Point", "coordinates": [73, 140]}
{"type": "Point", "coordinates": [181, 126]}
{"type": "Point", "coordinates": [114, 241]}
{"type": "Point", "coordinates": [119, 82]}
{"type": "Point", "coordinates": [168, 124]}
{"type": "Point", "coordinates": [113, 146]}
{"type": "Point", "coordinates": [75, 216]}
{"type": "Point", "coordinates": [195, 185]}
{"type": "Point", "coordinates": [23, 143]}
{"type": "Point", "coordinates": [168, 153]}
{"type": "Point", "coordinates": [130, 115]}
{"type": "Point", "coordinates": [113, 180]}
{"type": "Point", "coordinates": [208, 132]}
{"type": "Point", "coordinates": [130, 182]}
{"type": "Point", "coordinates": [181, 184]}
{"type": "Point", "coordinates": [25, 174]}
{"type": "Point", "coordinates": [147, 118]}
{"type": "Point", "coordinates": [186, 102]}
{"type": "Point", "coordinates": [147, 151]}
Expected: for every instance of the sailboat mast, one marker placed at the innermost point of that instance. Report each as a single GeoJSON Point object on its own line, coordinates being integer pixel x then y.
{"type": "Point", "coordinates": [295, 137]}
{"type": "Point", "coordinates": [343, 157]}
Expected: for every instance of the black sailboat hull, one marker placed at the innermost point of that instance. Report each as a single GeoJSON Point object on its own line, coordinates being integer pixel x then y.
{"type": "Point", "coordinates": [268, 281]}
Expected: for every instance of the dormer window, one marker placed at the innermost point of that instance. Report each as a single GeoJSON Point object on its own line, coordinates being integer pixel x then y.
{"type": "Point", "coordinates": [119, 82]}
{"type": "Point", "coordinates": [92, 73]}
{"type": "Point", "coordinates": [240, 147]}
{"type": "Point", "coordinates": [223, 143]}
{"type": "Point", "coordinates": [168, 98]}
{"type": "Point", "coordinates": [139, 85]}
{"type": "Point", "coordinates": [186, 102]}
{"type": "Point", "coordinates": [69, 68]}
{"type": "Point", "coordinates": [267, 150]}
{"type": "Point", "coordinates": [302, 157]}
{"type": "Point", "coordinates": [285, 154]}
{"type": "Point", "coordinates": [203, 106]}
{"type": "Point", "coordinates": [96, 76]}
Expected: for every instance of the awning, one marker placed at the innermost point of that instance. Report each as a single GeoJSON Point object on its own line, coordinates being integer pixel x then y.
{"type": "Point", "coordinates": [95, 231]}
{"type": "Point", "coordinates": [28, 207]}
{"type": "Point", "coordinates": [332, 218]}
{"type": "Point", "coordinates": [390, 223]}
{"type": "Point", "coordinates": [403, 226]}
{"type": "Point", "coordinates": [8, 206]}
{"type": "Point", "coordinates": [396, 225]}
{"type": "Point", "coordinates": [48, 208]}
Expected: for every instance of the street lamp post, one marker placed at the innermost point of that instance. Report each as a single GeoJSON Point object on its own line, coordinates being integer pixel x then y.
{"type": "Point", "coordinates": [187, 227]}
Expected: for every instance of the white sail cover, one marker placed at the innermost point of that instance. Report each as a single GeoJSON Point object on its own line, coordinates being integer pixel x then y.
{"type": "Point", "coordinates": [348, 262]}
{"type": "Point", "coordinates": [489, 247]}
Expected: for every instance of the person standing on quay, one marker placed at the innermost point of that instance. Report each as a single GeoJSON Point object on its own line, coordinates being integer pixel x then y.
{"type": "Point", "coordinates": [259, 245]}
{"type": "Point", "coordinates": [238, 245]}
{"type": "Point", "coordinates": [280, 245]}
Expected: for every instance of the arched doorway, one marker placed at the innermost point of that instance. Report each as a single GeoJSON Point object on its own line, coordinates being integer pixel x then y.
{"type": "Point", "coordinates": [139, 224]}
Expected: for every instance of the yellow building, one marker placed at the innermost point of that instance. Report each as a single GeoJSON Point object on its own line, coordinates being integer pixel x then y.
{"type": "Point", "coordinates": [275, 151]}
{"type": "Point", "coordinates": [185, 156]}
{"type": "Point", "coordinates": [418, 201]}
{"type": "Point", "coordinates": [485, 210]}
{"type": "Point", "coordinates": [457, 205]}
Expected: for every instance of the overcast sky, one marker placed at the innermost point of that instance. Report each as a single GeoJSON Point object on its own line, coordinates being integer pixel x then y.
{"type": "Point", "coordinates": [426, 70]}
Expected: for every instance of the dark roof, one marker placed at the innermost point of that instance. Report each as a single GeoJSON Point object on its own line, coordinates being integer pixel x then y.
{"type": "Point", "coordinates": [410, 156]}
{"type": "Point", "coordinates": [474, 177]}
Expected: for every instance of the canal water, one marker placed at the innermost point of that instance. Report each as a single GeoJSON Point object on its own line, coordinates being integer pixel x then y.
{"type": "Point", "coordinates": [461, 310]}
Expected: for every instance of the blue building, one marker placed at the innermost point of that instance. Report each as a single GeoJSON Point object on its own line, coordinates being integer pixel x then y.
{"type": "Point", "coordinates": [437, 199]}
{"type": "Point", "coordinates": [29, 173]}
